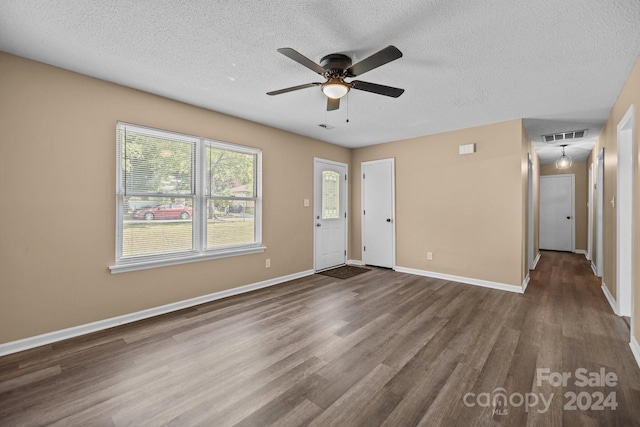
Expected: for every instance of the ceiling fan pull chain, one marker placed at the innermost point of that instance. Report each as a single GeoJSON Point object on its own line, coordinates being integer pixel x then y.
{"type": "Point", "coordinates": [347, 108]}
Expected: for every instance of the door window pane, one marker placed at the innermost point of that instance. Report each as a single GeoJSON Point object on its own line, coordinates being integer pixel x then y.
{"type": "Point", "coordinates": [330, 194]}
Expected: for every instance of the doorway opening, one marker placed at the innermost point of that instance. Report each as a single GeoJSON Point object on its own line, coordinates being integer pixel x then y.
{"type": "Point", "coordinates": [624, 209]}
{"type": "Point", "coordinates": [530, 214]}
{"type": "Point", "coordinates": [590, 217]}
{"type": "Point", "coordinates": [600, 214]}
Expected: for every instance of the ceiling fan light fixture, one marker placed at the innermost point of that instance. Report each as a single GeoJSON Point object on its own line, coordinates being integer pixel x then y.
{"type": "Point", "coordinates": [336, 67]}
{"type": "Point", "coordinates": [335, 89]}
{"type": "Point", "coordinates": [564, 162]}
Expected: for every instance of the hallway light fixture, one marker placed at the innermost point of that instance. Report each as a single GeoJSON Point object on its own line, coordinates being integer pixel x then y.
{"type": "Point", "coordinates": [564, 162]}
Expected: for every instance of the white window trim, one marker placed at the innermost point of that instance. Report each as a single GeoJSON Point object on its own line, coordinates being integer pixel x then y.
{"type": "Point", "coordinates": [199, 226]}
{"type": "Point", "coordinates": [183, 259]}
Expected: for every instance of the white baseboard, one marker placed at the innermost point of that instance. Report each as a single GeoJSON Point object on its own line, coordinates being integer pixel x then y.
{"type": "Point", "coordinates": [593, 268]}
{"type": "Point", "coordinates": [354, 262]}
{"type": "Point", "coordinates": [525, 283]}
{"type": "Point", "coordinates": [635, 349]}
{"type": "Point", "coordinates": [51, 337]}
{"type": "Point", "coordinates": [535, 261]}
{"type": "Point", "coordinates": [612, 302]}
{"type": "Point", "coordinates": [467, 280]}
{"type": "Point", "coordinates": [581, 251]}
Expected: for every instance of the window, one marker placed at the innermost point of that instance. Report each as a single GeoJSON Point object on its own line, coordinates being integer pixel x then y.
{"type": "Point", "coordinates": [182, 198]}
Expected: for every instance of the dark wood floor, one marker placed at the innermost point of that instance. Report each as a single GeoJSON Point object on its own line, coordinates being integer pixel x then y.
{"type": "Point", "coordinates": [382, 348]}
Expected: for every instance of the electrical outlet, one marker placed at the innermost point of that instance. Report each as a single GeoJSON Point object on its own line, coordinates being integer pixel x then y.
{"type": "Point", "coordinates": [267, 263]}
{"type": "Point", "coordinates": [429, 256]}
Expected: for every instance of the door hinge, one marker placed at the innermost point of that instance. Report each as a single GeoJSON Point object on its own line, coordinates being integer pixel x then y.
{"type": "Point", "coordinates": [345, 252]}
{"type": "Point", "coordinates": [345, 176]}
{"type": "Point", "coordinates": [364, 212]}
{"type": "Point", "coordinates": [345, 214]}
{"type": "Point", "coordinates": [364, 248]}
{"type": "Point", "coordinates": [362, 176]}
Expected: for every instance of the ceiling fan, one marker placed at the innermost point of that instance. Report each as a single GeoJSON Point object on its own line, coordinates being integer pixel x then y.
{"type": "Point", "coordinates": [336, 67]}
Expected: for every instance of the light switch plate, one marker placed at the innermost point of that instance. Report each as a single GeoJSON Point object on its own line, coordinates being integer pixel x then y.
{"type": "Point", "coordinates": [467, 149]}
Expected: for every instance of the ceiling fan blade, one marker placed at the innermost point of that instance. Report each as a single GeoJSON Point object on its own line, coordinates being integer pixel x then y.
{"type": "Point", "coordinates": [291, 89]}
{"type": "Point", "coordinates": [388, 54]}
{"type": "Point", "coordinates": [301, 59]}
{"type": "Point", "coordinates": [333, 104]}
{"type": "Point", "coordinates": [393, 92]}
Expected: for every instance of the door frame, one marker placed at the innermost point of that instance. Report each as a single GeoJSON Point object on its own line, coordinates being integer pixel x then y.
{"type": "Point", "coordinates": [573, 203]}
{"type": "Point", "coordinates": [590, 214]}
{"type": "Point", "coordinates": [317, 160]}
{"type": "Point", "coordinates": [392, 160]}
{"type": "Point", "coordinates": [624, 214]}
{"type": "Point", "coordinates": [530, 215]}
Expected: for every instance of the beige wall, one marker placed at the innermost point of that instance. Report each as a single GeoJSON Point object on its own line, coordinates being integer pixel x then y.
{"type": "Point", "coordinates": [581, 172]}
{"type": "Point", "coordinates": [57, 167]}
{"type": "Point", "coordinates": [629, 95]}
{"type": "Point", "coordinates": [467, 210]}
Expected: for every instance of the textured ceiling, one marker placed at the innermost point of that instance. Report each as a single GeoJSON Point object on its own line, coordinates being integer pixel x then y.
{"type": "Point", "coordinates": [558, 64]}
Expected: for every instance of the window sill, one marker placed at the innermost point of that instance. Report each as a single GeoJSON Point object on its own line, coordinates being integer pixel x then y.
{"type": "Point", "coordinates": [134, 266]}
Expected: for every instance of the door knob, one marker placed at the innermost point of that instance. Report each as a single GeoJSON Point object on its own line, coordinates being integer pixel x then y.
{"type": "Point", "coordinates": [318, 225]}
{"type": "Point", "coordinates": [568, 217]}
{"type": "Point", "coordinates": [388, 219]}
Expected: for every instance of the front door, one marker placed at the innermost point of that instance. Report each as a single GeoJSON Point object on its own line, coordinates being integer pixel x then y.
{"type": "Point", "coordinates": [378, 213]}
{"type": "Point", "coordinates": [556, 212]}
{"type": "Point", "coordinates": [330, 214]}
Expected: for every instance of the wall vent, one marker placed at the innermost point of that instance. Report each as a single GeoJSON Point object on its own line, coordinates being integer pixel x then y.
{"type": "Point", "coordinates": [565, 136]}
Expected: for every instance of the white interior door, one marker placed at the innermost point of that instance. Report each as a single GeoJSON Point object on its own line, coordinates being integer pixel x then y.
{"type": "Point", "coordinates": [378, 214]}
{"type": "Point", "coordinates": [330, 214]}
{"type": "Point", "coordinates": [556, 212]}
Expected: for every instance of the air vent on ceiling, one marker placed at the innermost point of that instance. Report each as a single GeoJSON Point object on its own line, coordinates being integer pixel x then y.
{"type": "Point", "coordinates": [326, 126]}
{"type": "Point", "coordinates": [565, 136]}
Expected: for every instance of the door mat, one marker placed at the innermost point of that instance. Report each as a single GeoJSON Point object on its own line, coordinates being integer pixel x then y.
{"type": "Point", "coordinates": [344, 272]}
